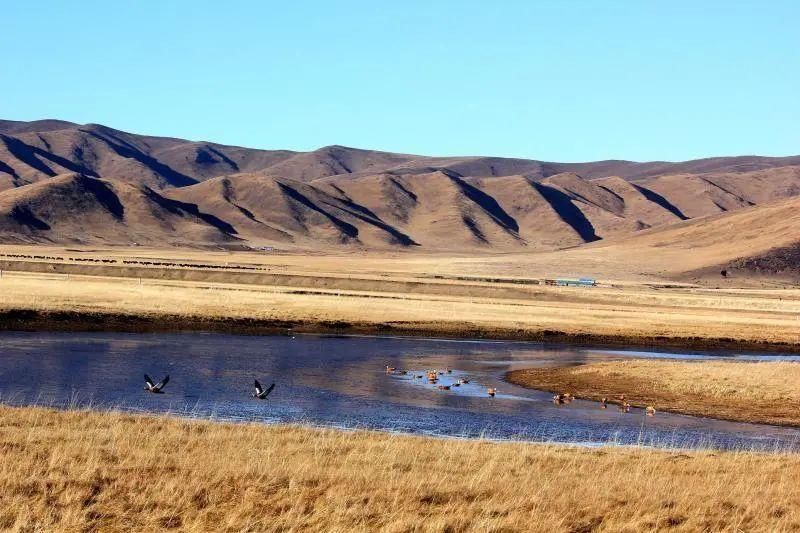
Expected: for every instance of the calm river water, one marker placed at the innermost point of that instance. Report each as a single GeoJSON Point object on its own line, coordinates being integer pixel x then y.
{"type": "Point", "coordinates": [341, 382]}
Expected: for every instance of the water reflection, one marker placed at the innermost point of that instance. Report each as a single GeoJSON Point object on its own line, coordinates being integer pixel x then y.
{"type": "Point", "coordinates": [341, 381]}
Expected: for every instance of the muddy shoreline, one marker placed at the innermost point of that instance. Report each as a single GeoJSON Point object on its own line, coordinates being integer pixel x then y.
{"type": "Point", "coordinates": [85, 321]}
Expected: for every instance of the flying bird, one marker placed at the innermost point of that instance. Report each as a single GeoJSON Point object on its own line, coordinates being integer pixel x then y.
{"type": "Point", "coordinates": [261, 393]}
{"type": "Point", "coordinates": [155, 388]}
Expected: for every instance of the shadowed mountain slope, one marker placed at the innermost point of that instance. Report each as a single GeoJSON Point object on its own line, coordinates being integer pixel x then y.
{"type": "Point", "coordinates": [75, 208]}
{"type": "Point", "coordinates": [267, 209]}
{"type": "Point", "coordinates": [203, 160]}
{"type": "Point", "coordinates": [338, 196]}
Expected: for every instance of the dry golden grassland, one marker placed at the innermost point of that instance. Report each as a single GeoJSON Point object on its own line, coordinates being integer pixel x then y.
{"type": "Point", "coordinates": [634, 311]}
{"type": "Point", "coordinates": [766, 392]}
{"type": "Point", "coordinates": [88, 471]}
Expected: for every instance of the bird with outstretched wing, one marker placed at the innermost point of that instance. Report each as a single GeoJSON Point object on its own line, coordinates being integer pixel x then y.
{"type": "Point", "coordinates": [261, 393]}
{"type": "Point", "coordinates": [156, 388]}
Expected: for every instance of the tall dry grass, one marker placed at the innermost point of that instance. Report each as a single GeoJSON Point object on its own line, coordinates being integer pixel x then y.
{"type": "Point", "coordinates": [85, 471]}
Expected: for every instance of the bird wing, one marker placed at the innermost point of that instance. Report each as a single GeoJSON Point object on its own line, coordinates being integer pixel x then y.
{"type": "Point", "coordinates": [149, 381]}
{"type": "Point", "coordinates": [269, 389]}
{"type": "Point", "coordinates": [259, 388]}
{"type": "Point", "coordinates": [163, 383]}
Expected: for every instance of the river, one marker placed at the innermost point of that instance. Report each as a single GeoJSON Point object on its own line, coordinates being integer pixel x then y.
{"type": "Point", "coordinates": [342, 382]}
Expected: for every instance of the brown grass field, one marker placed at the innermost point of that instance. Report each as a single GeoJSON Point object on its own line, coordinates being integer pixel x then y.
{"type": "Point", "coordinates": [430, 295]}
{"type": "Point", "coordinates": [88, 471]}
{"type": "Point", "coordinates": [84, 471]}
{"type": "Point", "coordinates": [761, 392]}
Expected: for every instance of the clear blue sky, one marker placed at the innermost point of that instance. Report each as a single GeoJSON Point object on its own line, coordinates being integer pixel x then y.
{"type": "Point", "coordinates": [558, 80]}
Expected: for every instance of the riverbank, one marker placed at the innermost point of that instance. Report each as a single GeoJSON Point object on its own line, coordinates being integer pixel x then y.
{"type": "Point", "coordinates": [78, 470]}
{"type": "Point", "coordinates": [631, 316]}
{"type": "Point", "coordinates": [762, 392]}
{"type": "Point", "coordinates": [36, 320]}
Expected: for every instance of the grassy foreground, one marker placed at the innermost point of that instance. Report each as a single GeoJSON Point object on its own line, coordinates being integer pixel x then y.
{"type": "Point", "coordinates": [766, 392]}
{"type": "Point", "coordinates": [85, 471]}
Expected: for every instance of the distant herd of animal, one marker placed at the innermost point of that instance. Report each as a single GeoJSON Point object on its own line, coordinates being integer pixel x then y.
{"type": "Point", "coordinates": [142, 262]}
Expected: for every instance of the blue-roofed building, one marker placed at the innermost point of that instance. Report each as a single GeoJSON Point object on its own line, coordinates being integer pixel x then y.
{"type": "Point", "coordinates": [583, 282]}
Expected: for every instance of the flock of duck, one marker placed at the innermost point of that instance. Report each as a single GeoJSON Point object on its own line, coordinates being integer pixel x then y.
{"type": "Point", "coordinates": [433, 378]}
{"type": "Point", "coordinates": [260, 393]}
{"type": "Point", "coordinates": [558, 399]}
{"type": "Point", "coordinates": [623, 404]}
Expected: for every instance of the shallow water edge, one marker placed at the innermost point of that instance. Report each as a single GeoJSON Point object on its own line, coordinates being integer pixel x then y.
{"type": "Point", "coordinates": [79, 321]}
{"type": "Point", "coordinates": [341, 381]}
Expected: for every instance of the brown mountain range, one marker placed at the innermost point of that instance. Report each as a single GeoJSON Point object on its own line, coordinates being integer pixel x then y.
{"type": "Point", "coordinates": [67, 183]}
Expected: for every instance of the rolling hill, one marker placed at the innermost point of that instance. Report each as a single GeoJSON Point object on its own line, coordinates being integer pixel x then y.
{"type": "Point", "coordinates": [756, 241]}
{"type": "Point", "coordinates": [78, 208]}
{"type": "Point", "coordinates": [64, 182]}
